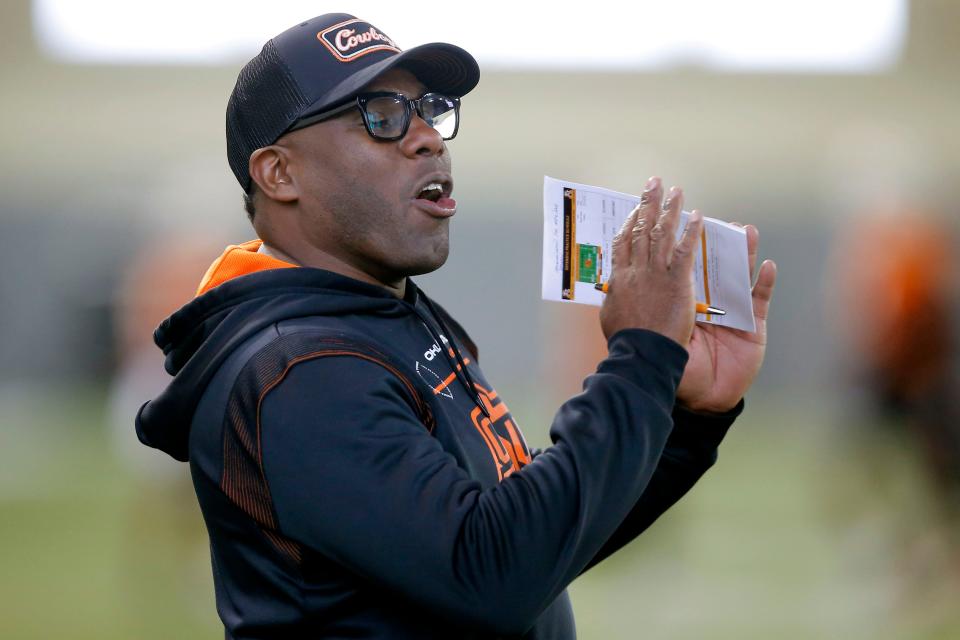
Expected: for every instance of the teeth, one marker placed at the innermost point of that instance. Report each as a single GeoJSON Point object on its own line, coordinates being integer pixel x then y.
{"type": "Point", "coordinates": [432, 192]}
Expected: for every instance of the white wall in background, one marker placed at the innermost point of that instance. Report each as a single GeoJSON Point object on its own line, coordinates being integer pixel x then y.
{"type": "Point", "coordinates": [817, 36]}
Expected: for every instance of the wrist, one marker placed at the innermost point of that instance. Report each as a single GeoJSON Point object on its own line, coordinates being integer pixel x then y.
{"type": "Point", "coordinates": [701, 431]}
{"type": "Point", "coordinates": [707, 409]}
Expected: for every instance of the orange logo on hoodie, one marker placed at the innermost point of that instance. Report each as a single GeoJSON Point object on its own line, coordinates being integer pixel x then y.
{"type": "Point", "coordinates": [503, 437]}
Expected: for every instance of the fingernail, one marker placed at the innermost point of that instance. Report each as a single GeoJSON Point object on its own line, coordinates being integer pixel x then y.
{"type": "Point", "coordinates": [652, 183]}
{"type": "Point", "coordinates": [674, 191]}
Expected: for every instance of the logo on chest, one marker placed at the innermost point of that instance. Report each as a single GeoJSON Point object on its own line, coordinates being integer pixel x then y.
{"type": "Point", "coordinates": [440, 386]}
{"type": "Point", "coordinates": [500, 433]}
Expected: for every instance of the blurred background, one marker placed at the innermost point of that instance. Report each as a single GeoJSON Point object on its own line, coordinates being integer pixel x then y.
{"type": "Point", "coordinates": [832, 511]}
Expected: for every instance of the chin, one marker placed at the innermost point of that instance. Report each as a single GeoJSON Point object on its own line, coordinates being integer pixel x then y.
{"type": "Point", "coordinates": [428, 264]}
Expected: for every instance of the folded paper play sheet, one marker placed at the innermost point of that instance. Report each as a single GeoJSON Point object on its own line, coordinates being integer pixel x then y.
{"type": "Point", "coordinates": [579, 223]}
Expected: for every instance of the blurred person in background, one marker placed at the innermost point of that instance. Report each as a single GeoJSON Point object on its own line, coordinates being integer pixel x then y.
{"type": "Point", "coordinates": [154, 285]}
{"type": "Point", "coordinates": [358, 474]}
{"type": "Point", "coordinates": [894, 303]}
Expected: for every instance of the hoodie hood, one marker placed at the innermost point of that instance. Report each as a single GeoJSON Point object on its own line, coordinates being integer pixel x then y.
{"type": "Point", "coordinates": [241, 294]}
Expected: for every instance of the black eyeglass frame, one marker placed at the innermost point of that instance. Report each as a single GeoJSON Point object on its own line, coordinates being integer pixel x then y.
{"type": "Point", "coordinates": [361, 100]}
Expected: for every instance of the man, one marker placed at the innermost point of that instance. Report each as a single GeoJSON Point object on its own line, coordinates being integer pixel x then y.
{"type": "Point", "coordinates": [358, 474]}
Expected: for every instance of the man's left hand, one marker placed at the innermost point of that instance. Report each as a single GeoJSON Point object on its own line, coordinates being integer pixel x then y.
{"type": "Point", "coordinates": [723, 361]}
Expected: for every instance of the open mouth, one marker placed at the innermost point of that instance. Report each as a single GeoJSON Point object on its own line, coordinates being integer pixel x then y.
{"type": "Point", "coordinates": [432, 192]}
{"type": "Point", "coordinates": [434, 195]}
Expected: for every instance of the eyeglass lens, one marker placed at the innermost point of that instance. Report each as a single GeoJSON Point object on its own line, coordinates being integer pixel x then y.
{"type": "Point", "coordinates": [387, 116]}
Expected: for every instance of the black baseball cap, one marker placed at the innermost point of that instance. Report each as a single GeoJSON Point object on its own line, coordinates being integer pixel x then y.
{"type": "Point", "coordinates": [320, 64]}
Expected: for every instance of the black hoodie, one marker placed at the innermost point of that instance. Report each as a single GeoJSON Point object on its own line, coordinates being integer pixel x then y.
{"type": "Point", "coordinates": [359, 476]}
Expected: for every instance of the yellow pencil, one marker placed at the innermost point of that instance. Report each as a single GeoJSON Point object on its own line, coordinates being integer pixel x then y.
{"type": "Point", "coordinates": [701, 306]}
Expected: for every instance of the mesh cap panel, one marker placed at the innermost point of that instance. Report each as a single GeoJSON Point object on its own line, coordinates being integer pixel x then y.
{"type": "Point", "coordinates": [264, 103]}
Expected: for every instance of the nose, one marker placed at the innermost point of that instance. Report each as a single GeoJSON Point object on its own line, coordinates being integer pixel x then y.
{"type": "Point", "coordinates": [421, 139]}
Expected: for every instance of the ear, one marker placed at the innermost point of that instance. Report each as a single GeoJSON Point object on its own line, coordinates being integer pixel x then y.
{"type": "Point", "coordinates": [268, 168]}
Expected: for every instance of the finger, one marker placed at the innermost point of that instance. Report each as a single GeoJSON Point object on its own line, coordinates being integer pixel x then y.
{"type": "Point", "coordinates": [753, 241]}
{"type": "Point", "coordinates": [620, 254]}
{"type": "Point", "coordinates": [686, 250]}
{"type": "Point", "coordinates": [664, 233]}
{"type": "Point", "coordinates": [646, 218]}
{"type": "Point", "coordinates": [763, 290]}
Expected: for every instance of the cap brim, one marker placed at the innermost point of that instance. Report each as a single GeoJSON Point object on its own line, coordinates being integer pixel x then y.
{"type": "Point", "coordinates": [442, 67]}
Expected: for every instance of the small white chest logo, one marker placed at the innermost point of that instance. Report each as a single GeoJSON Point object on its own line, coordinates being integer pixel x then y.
{"type": "Point", "coordinates": [440, 386]}
{"type": "Point", "coordinates": [434, 381]}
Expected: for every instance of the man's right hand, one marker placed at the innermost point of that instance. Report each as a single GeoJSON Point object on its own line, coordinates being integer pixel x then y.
{"type": "Point", "coordinates": [651, 285]}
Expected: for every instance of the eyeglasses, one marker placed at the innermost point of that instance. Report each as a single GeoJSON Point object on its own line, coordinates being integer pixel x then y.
{"type": "Point", "coordinates": [387, 115]}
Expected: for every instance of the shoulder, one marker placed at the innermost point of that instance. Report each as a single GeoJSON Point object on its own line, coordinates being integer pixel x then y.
{"type": "Point", "coordinates": [332, 354]}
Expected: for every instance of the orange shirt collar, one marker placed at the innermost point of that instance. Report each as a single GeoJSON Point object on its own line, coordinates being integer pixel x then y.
{"type": "Point", "coordinates": [239, 260]}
